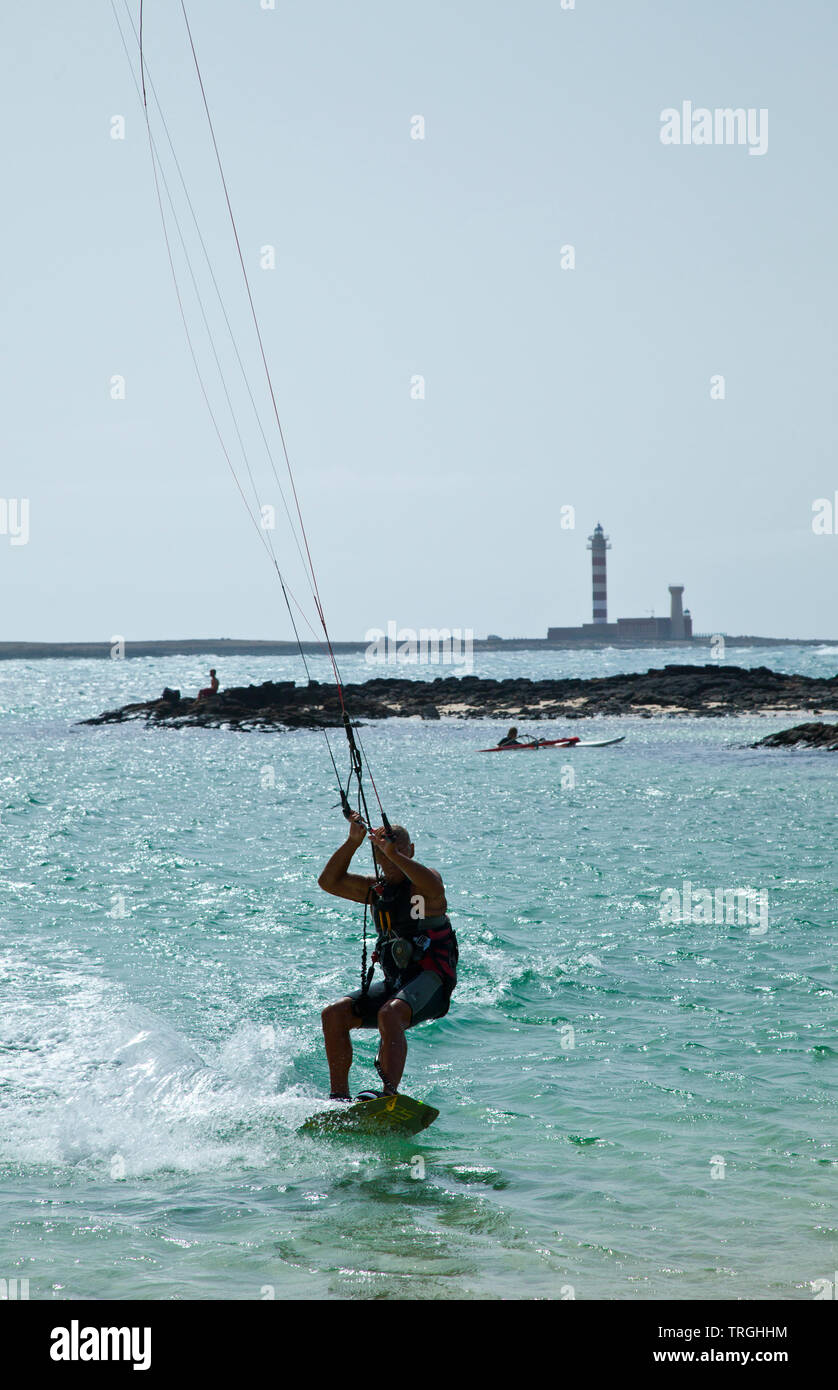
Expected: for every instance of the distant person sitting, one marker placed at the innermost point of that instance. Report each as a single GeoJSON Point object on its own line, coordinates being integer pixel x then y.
{"type": "Point", "coordinates": [212, 688]}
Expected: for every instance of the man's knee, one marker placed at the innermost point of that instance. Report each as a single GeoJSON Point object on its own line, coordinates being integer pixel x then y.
{"type": "Point", "coordinates": [338, 1016]}
{"type": "Point", "coordinates": [395, 1016]}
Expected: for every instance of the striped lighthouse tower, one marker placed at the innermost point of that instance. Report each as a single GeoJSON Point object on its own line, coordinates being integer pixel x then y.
{"type": "Point", "coordinates": [598, 543]}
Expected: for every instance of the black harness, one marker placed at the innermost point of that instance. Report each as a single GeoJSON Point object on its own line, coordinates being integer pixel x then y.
{"type": "Point", "coordinates": [407, 941]}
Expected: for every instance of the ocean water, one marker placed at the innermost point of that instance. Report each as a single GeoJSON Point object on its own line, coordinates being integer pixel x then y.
{"type": "Point", "coordinates": [631, 1108]}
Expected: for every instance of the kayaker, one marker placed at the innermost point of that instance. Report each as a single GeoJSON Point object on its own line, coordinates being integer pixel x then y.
{"type": "Point", "coordinates": [416, 948]}
{"type": "Point", "coordinates": [511, 740]}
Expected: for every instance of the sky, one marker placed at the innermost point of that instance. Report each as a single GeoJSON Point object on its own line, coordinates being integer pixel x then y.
{"type": "Point", "coordinates": [592, 386]}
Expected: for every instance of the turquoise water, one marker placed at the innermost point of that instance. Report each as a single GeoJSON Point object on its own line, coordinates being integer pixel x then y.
{"type": "Point", "coordinates": [165, 953]}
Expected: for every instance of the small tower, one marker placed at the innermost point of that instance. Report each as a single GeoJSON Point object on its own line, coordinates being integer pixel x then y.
{"type": "Point", "coordinates": [598, 543]}
{"type": "Point", "coordinates": [677, 628]}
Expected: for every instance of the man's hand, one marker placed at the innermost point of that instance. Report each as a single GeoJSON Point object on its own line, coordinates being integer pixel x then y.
{"type": "Point", "coordinates": [383, 844]}
{"type": "Point", "coordinates": [357, 829]}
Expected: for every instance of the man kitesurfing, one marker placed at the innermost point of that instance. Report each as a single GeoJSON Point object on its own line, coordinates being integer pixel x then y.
{"type": "Point", "coordinates": [416, 948]}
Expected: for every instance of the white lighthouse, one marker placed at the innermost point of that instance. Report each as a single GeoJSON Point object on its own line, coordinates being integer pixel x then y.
{"type": "Point", "coordinates": [677, 630]}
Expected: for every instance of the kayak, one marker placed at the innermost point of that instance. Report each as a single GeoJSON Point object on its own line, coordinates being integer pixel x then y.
{"type": "Point", "coordinates": [556, 743]}
{"type": "Point", "coordinates": [541, 743]}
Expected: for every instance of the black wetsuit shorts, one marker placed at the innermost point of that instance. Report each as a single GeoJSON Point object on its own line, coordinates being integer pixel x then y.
{"type": "Point", "coordinates": [427, 995]}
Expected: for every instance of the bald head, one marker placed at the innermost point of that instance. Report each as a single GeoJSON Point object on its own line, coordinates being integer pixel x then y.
{"type": "Point", "coordinates": [401, 838]}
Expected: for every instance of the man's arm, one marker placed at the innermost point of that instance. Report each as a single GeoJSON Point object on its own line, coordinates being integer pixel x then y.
{"type": "Point", "coordinates": [336, 879]}
{"type": "Point", "coordinates": [427, 882]}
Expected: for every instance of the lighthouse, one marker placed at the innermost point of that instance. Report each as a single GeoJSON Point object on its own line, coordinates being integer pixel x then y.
{"type": "Point", "coordinates": [677, 630]}
{"type": "Point", "coordinates": [598, 543]}
{"type": "Point", "coordinates": [678, 627]}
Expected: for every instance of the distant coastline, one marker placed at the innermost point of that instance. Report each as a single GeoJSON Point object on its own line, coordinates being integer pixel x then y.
{"type": "Point", "coordinates": [234, 646]}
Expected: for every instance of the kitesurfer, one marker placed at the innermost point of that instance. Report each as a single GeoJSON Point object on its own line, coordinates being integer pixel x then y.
{"type": "Point", "coordinates": [416, 948]}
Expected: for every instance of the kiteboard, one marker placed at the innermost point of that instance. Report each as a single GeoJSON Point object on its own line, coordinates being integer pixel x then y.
{"type": "Point", "coordinates": [385, 1115]}
{"type": "Point", "coordinates": [556, 743]}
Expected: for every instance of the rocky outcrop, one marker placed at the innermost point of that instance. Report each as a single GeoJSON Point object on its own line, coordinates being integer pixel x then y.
{"type": "Point", "coordinates": [803, 736]}
{"type": "Point", "coordinates": [710, 690]}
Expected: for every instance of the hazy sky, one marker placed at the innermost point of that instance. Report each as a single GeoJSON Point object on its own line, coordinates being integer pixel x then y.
{"type": "Point", "coordinates": [395, 257]}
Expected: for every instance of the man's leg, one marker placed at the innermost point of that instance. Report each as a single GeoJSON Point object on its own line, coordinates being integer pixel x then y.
{"type": "Point", "coordinates": [393, 1019]}
{"type": "Point", "coordinates": [337, 1020]}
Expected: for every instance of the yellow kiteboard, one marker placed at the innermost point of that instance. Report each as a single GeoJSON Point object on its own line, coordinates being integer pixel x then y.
{"type": "Point", "coordinates": [385, 1115]}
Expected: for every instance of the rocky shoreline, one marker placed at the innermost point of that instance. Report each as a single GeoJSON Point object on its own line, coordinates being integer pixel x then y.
{"type": "Point", "coordinates": [803, 736]}
{"type": "Point", "coordinates": [711, 691]}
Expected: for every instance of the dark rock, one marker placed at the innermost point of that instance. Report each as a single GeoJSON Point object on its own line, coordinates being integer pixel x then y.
{"type": "Point", "coordinates": [803, 736]}
{"type": "Point", "coordinates": [711, 691]}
